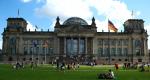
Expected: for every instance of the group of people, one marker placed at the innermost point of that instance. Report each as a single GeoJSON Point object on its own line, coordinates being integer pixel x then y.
{"type": "Point", "coordinates": [63, 65]}
{"type": "Point", "coordinates": [109, 75]}
{"type": "Point", "coordinates": [18, 65]}
{"type": "Point", "coordinates": [130, 65]}
{"type": "Point", "coordinates": [141, 67]}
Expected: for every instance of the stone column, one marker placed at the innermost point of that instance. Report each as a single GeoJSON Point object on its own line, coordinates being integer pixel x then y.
{"type": "Point", "coordinates": [71, 44]}
{"type": "Point", "coordinates": [132, 50]}
{"type": "Point", "coordinates": [102, 47]}
{"type": "Point", "coordinates": [145, 47]}
{"type": "Point", "coordinates": [64, 45]}
{"type": "Point", "coordinates": [20, 42]}
{"type": "Point", "coordinates": [28, 48]}
{"type": "Point", "coordinates": [58, 47]}
{"type": "Point", "coordinates": [122, 47]}
{"type": "Point", "coordinates": [17, 47]}
{"type": "Point", "coordinates": [85, 45]}
{"type": "Point", "coordinates": [116, 48]}
{"type": "Point", "coordinates": [78, 45]}
{"type": "Point", "coordinates": [4, 47]}
{"type": "Point", "coordinates": [7, 47]}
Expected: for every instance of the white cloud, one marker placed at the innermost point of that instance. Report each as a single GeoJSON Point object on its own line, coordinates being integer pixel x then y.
{"type": "Point", "coordinates": [37, 1]}
{"type": "Point", "coordinates": [101, 25]}
{"type": "Point", "coordinates": [1, 44]}
{"type": "Point", "coordinates": [31, 27]}
{"type": "Point", "coordinates": [115, 10]}
{"type": "Point", "coordinates": [65, 8]}
{"type": "Point", "coordinates": [40, 1]}
{"type": "Point", "coordinates": [147, 27]}
{"type": "Point", "coordinates": [26, 1]}
{"type": "Point", "coordinates": [112, 9]}
{"type": "Point", "coordinates": [138, 13]}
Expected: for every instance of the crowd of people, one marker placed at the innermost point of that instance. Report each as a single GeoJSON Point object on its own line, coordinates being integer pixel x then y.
{"type": "Point", "coordinates": [140, 66]}
{"type": "Point", "coordinates": [61, 65]}
{"type": "Point", "coordinates": [21, 65]}
{"type": "Point", "coordinates": [130, 65]}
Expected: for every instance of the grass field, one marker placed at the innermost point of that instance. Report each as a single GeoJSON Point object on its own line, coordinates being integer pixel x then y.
{"type": "Point", "coordinates": [47, 72]}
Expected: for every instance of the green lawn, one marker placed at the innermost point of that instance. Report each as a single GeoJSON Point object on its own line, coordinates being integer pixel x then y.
{"type": "Point", "coordinates": [47, 72]}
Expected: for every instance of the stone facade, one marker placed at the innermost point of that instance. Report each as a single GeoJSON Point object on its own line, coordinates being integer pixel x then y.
{"type": "Point", "coordinates": [75, 40]}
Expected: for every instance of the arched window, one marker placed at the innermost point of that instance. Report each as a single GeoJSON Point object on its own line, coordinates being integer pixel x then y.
{"type": "Point", "coordinates": [138, 43]}
{"type": "Point", "coordinates": [13, 45]}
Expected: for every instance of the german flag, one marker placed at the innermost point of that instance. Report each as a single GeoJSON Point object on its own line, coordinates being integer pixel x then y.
{"type": "Point", "coordinates": [111, 26]}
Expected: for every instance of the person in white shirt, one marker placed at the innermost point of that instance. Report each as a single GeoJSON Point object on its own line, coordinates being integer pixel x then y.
{"type": "Point", "coordinates": [111, 74]}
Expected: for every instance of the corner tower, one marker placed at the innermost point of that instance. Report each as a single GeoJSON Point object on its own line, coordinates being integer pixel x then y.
{"type": "Point", "coordinates": [134, 25]}
{"type": "Point", "coordinates": [12, 37]}
{"type": "Point", "coordinates": [16, 24]}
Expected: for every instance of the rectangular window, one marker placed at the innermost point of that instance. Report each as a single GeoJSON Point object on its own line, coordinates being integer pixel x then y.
{"type": "Point", "coordinates": [31, 50]}
{"type": "Point", "coordinates": [82, 46]}
{"type": "Point", "coordinates": [69, 45]}
{"type": "Point", "coordinates": [100, 52]}
{"type": "Point", "coordinates": [37, 50]}
{"type": "Point", "coordinates": [105, 42]}
{"type": "Point", "coordinates": [51, 50]}
{"type": "Point", "coordinates": [125, 42]}
{"type": "Point", "coordinates": [75, 46]}
{"type": "Point", "coordinates": [13, 50]}
{"type": "Point", "coordinates": [25, 50]}
{"type": "Point", "coordinates": [100, 42]}
{"type": "Point", "coordinates": [106, 52]}
{"type": "Point", "coordinates": [113, 51]}
{"type": "Point", "coordinates": [119, 43]}
{"type": "Point", "coordinates": [25, 42]}
{"type": "Point", "coordinates": [119, 52]}
{"type": "Point", "coordinates": [125, 51]}
{"type": "Point", "coordinates": [137, 52]}
{"type": "Point", "coordinates": [113, 42]}
{"type": "Point", "coordinates": [43, 50]}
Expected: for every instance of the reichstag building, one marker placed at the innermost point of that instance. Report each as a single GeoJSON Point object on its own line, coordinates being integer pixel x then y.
{"type": "Point", "coordinates": [75, 40]}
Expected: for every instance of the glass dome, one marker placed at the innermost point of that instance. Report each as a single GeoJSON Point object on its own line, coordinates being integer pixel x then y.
{"type": "Point", "coordinates": [75, 21]}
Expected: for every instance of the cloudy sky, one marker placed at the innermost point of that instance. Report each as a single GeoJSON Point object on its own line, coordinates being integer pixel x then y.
{"type": "Point", "coordinates": [43, 13]}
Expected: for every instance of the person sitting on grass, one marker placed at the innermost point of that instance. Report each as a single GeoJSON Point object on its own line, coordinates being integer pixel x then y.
{"type": "Point", "coordinates": [142, 67]}
{"type": "Point", "coordinates": [32, 65]}
{"type": "Point", "coordinates": [18, 65]}
{"type": "Point", "coordinates": [109, 75]}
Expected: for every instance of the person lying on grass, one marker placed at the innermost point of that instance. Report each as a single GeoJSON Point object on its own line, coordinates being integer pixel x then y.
{"type": "Point", "coordinates": [109, 75]}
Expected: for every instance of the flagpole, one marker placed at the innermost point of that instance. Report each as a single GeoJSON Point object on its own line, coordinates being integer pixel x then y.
{"type": "Point", "coordinates": [18, 13]}
{"type": "Point", "coordinates": [132, 14]}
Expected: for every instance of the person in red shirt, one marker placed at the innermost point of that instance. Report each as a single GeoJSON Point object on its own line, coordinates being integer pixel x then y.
{"type": "Point", "coordinates": [116, 66]}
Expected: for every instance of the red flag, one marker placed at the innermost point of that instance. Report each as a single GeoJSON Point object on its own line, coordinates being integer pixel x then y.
{"type": "Point", "coordinates": [111, 26]}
